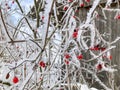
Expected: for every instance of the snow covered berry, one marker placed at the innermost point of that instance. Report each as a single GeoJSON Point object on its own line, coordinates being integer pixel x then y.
{"type": "Point", "coordinates": [67, 56]}
{"type": "Point", "coordinates": [95, 48]}
{"type": "Point", "coordinates": [15, 80]}
{"type": "Point", "coordinates": [79, 57]}
{"type": "Point", "coordinates": [66, 62]}
{"type": "Point", "coordinates": [102, 49]}
{"type": "Point", "coordinates": [82, 5]}
{"type": "Point", "coordinates": [110, 57]}
{"type": "Point", "coordinates": [65, 8]}
{"type": "Point", "coordinates": [42, 64]}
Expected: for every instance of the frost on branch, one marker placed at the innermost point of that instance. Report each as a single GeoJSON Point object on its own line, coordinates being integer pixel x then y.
{"type": "Point", "coordinates": [45, 45]}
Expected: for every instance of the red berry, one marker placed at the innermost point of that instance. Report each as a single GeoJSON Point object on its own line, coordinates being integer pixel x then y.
{"type": "Point", "coordinates": [42, 64]}
{"type": "Point", "coordinates": [15, 80]}
{"type": "Point", "coordinates": [82, 5]}
{"type": "Point", "coordinates": [65, 8]}
{"type": "Point", "coordinates": [75, 34]}
{"type": "Point", "coordinates": [87, 0]}
{"type": "Point", "coordinates": [102, 49]}
{"type": "Point", "coordinates": [99, 67]}
{"type": "Point", "coordinates": [70, 0]}
{"type": "Point", "coordinates": [67, 56]}
{"type": "Point", "coordinates": [96, 48]}
{"type": "Point", "coordinates": [92, 48]}
{"type": "Point", "coordinates": [67, 62]}
{"type": "Point", "coordinates": [80, 57]}
{"type": "Point", "coordinates": [110, 57]}
{"type": "Point", "coordinates": [43, 17]}
{"type": "Point", "coordinates": [118, 17]}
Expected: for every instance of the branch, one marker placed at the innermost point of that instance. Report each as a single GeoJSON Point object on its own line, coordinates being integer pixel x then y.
{"type": "Point", "coordinates": [5, 27]}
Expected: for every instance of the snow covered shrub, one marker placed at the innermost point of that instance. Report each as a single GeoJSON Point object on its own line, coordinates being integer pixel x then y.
{"type": "Point", "coordinates": [45, 45]}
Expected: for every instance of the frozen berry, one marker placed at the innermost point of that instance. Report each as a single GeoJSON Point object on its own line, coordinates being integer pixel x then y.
{"type": "Point", "coordinates": [82, 5]}
{"type": "Point", "coordinates": [70, 0]}
{"type": "Point", "coordinates": [67, 56]}
{"type": "Point", "coordinates": [87, 1]}
{"type": "Point", "coordinates": [102, 49]}
{"type": "Point", "coordinates": [95, 48]}
{"type": "Point", "coordinates": [42, 64]}
{"type": "Point", "coordinates": [110, 57]}
{"type": "Point", "coordinates": [99, 67]}
{"type": "Point", "coordinates": [75, 34]}
{"type": "Point", "coordinates": [67, 62]}
{"type": "Point", "coordinates": [65, 8]}
{"type": "Point", "coordinates": [80, 57]}
{"type": "Point", "coordinates": [15, 80]}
